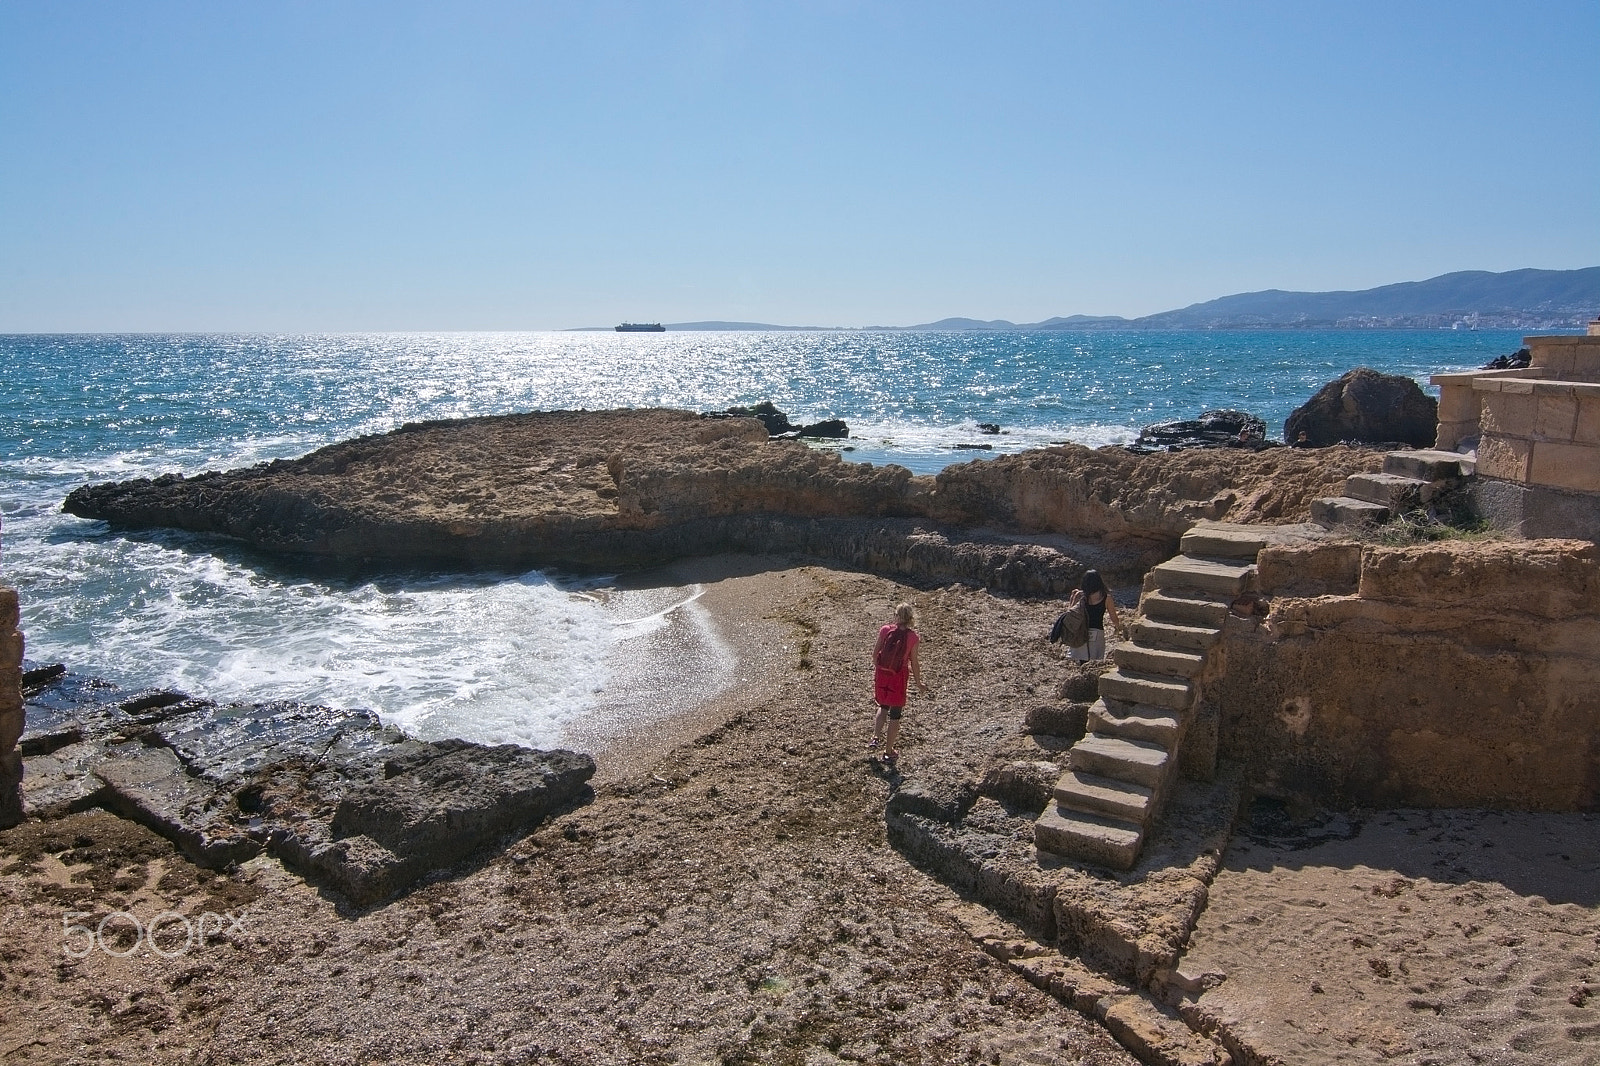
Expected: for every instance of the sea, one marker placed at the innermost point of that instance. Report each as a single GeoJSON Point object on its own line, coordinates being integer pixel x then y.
{"type": "Point", "coordinates": [529, 657]}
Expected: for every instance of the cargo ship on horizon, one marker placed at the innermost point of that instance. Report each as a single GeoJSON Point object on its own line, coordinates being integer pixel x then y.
{"type": "Point", "coordinates": [641, 327]}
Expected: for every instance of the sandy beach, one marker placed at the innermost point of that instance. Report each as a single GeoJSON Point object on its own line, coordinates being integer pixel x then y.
{"type": "Point", "coordinates": [729, 896]}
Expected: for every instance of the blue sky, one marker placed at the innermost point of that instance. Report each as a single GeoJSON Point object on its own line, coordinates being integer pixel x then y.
{"type": "Point", "coordinates": [355, 166]}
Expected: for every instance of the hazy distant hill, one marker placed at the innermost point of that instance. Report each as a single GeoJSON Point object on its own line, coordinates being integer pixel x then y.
{"type": "Point", "coordinates": [1478, 299]}
{"type": "Point", "coordinates": [1516, 299]}
{"type": "Point", "coordinates": [1540, 299]}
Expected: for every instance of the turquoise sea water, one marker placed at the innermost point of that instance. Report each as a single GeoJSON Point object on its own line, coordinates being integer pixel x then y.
{"type": "Point", "coordinates": [521, 657]}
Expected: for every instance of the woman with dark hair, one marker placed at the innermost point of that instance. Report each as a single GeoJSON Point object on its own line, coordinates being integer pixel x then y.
{"type": "Point", "coordinates": [1097, 604]}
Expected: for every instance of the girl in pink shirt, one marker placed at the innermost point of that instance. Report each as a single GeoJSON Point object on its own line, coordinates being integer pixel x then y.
{"type": "Point", "coordinates": [896, 662]}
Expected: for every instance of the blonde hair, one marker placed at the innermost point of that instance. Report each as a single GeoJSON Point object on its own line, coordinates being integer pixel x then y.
{"type": "Point", "coordinates": [906, 615]}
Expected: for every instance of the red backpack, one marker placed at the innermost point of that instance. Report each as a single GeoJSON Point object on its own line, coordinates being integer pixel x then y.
{"type": "Point", "coordinates": [892, 653]}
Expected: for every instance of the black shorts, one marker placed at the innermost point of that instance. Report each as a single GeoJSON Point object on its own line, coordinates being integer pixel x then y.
{"type": "Point", "coordinates": [894, 712]}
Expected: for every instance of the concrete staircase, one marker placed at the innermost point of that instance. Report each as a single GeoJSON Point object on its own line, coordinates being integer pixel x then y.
{"type": "Point", "coordinates": [1410, 480]}
{"type": "Point", "coordinates": [1120, 773]}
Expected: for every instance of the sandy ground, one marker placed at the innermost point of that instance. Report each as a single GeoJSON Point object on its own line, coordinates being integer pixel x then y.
{"type": "Point", "coordinates": [729, 897]}
{"type": "Point", "coordinates": [726, 899]}
{"type": "Point", "coordinates": [1435, 937]}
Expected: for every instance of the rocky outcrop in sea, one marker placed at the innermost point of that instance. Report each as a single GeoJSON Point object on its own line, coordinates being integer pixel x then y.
{"type": "Point", "coordinates": [1367, 407]}
{"type": "Point", "coordinates": [633, 488]}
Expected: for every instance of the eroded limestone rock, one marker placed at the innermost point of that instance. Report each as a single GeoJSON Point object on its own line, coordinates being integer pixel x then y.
{"type": "Point", "coordinates": [334, 794]}
{"type": "Point", "coordinates": [622, 489]}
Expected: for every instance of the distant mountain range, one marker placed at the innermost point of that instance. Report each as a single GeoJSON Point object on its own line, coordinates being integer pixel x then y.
{"type": "Point", "coordinates": [1466, 299]}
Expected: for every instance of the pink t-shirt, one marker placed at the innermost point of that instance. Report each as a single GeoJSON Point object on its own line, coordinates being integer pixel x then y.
{"type": "Point", "coordinates": [889, 686]}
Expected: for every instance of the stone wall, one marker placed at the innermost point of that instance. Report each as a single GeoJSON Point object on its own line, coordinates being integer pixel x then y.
{"type": "Point", "coordinates": [1442, 675]}
{"type": "Point", "coordinates": [1539, 425]}
{"type": "Point", "coordinates": [10, 709]}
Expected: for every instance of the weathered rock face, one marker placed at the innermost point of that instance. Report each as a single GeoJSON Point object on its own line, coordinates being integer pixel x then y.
{"type": "Point", "coordinates": [332, 793]}
{"type": "Point", "coordinates": [618, 489]}
{"type": "Point", "coordinates": [1113, 493]}
{"type": "Point", "coordinates": [1446, 675]}
{"type": "Point", "coordinates": [10, 710]}
{"type": "Point", "coordinates": [1368, 407]}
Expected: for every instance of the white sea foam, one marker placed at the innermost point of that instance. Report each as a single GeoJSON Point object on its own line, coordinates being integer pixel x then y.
{"type": "Point", "coordinates": [927, 449]}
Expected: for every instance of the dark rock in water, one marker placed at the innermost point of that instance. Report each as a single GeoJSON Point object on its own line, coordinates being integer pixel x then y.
{"type": "Point", "coordinates": [1518, 360]}
{"type": "Point", "coordinates": [37, 678]}
{"type": "Point", "coordinates": [992, 428]}
{"type": "Point", "coordinates": [831, 428]}
{"type": "Point", "coordinates": [779, 426]}
{"type": "Point", "coordinates": [334, 794]}
{"type": "Point", "coordinates": [1213, 429]}
{"type": "Point", "coordinates": [775, 420]}
{"type": "Point", "coordinates": [975, 447]}
{"type": "Point", "coordinates": [1366, 407]}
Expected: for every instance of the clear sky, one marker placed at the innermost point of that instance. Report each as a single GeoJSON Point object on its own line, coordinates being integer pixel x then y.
{"type": "Point", "coordinates": [336, 165]}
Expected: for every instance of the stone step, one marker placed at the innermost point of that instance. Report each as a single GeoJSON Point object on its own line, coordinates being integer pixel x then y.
{"type": "Point", "coordinates": [1154, 634]}
{"type": "Point", "coordinates": [1429, 464]}
{"type": "Point", "coordinates": [1137, 761]}
{"type": "Point", "coordinates": [1330, 511]}
{"type": "Point", "coordinates": [1135, 721]}
{"type": "Point", "coordinates": [1088, 837]}
{"type": "Point", "coordinates": [1394, 491]}
{"type": "Point", "coordinates": [1184, 609]}
{"type": "Point", "coordinates": [1217, 577]}
{"type": "Point", "coordinates": [1093, 794]}
{"type": "Point", "coordinates": [1134, 687]}
{"type": "Point", "coordinates": [1221, 541]}
{"type": "Point", "coordinates": [1162, 662]}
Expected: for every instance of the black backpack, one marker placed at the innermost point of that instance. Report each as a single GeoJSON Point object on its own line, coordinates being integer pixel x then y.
{"type": "Point", "coordinates": [1072, 628]}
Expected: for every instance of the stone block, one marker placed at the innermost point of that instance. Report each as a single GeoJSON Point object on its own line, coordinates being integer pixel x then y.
{"type": "Point", "coordinates": [1565, 466]}
{"type": "Point", "coordinates": [11, 723]}
{"type": "Point", "coordinates": [11, 647]}
{"type": "Point", "coordinates": [1586, 426]}
{"type": "Point", "coordinates": [1555, 354]}
{"type": "Point", "coordinates": [1509, 414]}
{"type": "Point", "coordinates": [1504, 457]}
{"type": "Point", "coordinates": [10, 789]}
{"type": "Point", "coordinates": [1536, 511]}
{"type": "Point", "coordinates": [1585, 361]}
{"type": "Point", "coordinates": [1457, 403]}
{"type": "Point", "coordinates": [1428, 464]}
{"type": "Point", "coordinates": [1451, 434]}
{"type": "Point", "coordinates": [1555, 412]}
{"type": "Point", "coordinates": [1332, 568]}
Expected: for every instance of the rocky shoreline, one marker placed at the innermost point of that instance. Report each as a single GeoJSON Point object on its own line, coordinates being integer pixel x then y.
{"type": "Point", "coordinates": [740, 896]}
{"type": "Point", "coordinates": [630, 489]}
{"type": "Point", "coordinates": [748, 885]}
